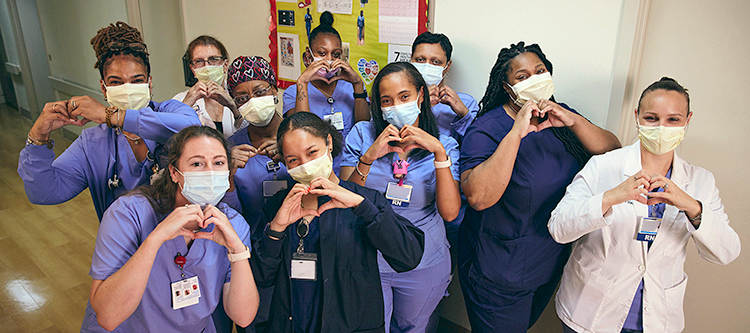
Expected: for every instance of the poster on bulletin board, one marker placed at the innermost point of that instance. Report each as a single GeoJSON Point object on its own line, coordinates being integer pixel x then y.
{"type": "Point", "coordinates": [373, 33]}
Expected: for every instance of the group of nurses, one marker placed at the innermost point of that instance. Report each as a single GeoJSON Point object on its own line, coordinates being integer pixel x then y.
{"type": "Point", "coordinates": [119, 154]}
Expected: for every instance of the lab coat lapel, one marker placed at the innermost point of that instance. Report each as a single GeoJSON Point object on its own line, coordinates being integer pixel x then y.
{"type": "Point", "coordinates": [631, 166]}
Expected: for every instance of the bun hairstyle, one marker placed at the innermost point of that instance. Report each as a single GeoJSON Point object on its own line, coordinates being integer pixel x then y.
{"type": "Point", "coordinates": [310, 123]}
{"type": "Point", "coordinates": [668, 84]}
{"type": "Point", "coordinates": [325, 27]}
{"type": "Point", "coordinates": [119, 39]}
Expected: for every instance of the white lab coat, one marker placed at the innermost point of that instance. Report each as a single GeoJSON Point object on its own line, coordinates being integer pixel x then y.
{"type": "Point", "coordinates": [227, 117]}
{"type": "Point", "coordinates": [607, 263]}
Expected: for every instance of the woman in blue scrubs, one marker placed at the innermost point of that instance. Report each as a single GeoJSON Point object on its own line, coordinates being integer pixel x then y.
{"type": "Point", "coordinates": [402, 154]}
{"type": "Point", "coordinates": [516, 160]}
{"type": "Point", "coordinates": [329, 87]}
{"type": "Point", "coordinates": [120, 153]}
{"type": "Point", "coordinates": [174, 238]}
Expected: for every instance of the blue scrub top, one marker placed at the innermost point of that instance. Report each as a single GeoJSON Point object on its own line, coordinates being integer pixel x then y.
{"type": "Point", "coordinates": [248, 182]}
{"type": "Point", "coordinates": [125, 226]}
{"type": "Point", "coordinates": [509, 241]}
{"type": "Point", "coordinates": [344, 103]}
{"type": "Point", "coordinates": [422, 210]}
{"type": "Point", "coordinates": [90, 159]}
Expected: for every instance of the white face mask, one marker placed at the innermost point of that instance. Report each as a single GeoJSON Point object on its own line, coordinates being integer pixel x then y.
{"type": "Point", "coordinates": [401, 114]}
{"type": "Point", "coordinates": [259, 110]}
{"type": "Point", "coordinates": [660, 139]}
{"type": "Point", "coordinates": [305, 173]}
{"type": "Point", "coordinates": [319, 59]}
{"type": "Point", "coordinates": [431, 74]}
{"type": "Point", "coordinates": [205, 187]}
{"type": "Point", "coordinates": [129, 96]}
{"type": "Point", "coordinates": [535, 88]}
{"type": "Point", "coordinates": [210, 73]}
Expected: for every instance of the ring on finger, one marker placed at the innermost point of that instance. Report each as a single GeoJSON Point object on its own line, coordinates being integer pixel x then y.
{"type": "Point", "coordinates": [666, 185]}
{"type": "Point", "coordinates": [73, 103]}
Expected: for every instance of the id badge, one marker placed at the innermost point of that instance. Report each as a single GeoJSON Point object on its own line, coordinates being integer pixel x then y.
{"type": "Point", "coordinates": [182, 294]}
{"type": "Point", "coordinates": [647, 229]}
{"type": "Point", "coordinates": [270, 187]}
{"type": "Point", "coordinates": [304, 266]}
{"type": "Point", "coordinates": [336, 119]}
{"type": "Point", "coordinates": [398, 195]}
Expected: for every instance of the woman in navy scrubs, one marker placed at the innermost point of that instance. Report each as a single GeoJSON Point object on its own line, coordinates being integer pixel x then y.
{"type": "Point", "coordinates": [516, 161]}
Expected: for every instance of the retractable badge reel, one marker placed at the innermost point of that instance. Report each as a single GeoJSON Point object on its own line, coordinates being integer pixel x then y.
{"type": "Point", "coordinates": [270, 187]}
{"type": "Point", "coordinates": [335, 118]}
{"type": "Point", "coordinates": [399, 193]}
{"type": "Point", "coordinates": [187, 291]}
{"type": "Point", "coordinates": [304, 264]}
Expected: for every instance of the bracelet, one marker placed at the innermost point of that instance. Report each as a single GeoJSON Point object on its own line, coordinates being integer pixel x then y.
{"type": "Point", "coordinates": [108, 118]}
{"type": "Point", "coordinates": [698, 217]}
{"type": "Point", "coordinates": [443, 164]}
{"type": "Point", "coordinates": [35, 142]}
{"type": "Point", "coordinates": [361, 95]}
{"type": "Point", "coordinates": [118, 117]}
{"type": "Point", "coordinates": [356, 167]}
{"type": "Point", "coordinates": [239, 256]}
{"type": "Point", "coordinates": [272, 233]}
{"type": "Point", "coordinates": [360, 161]}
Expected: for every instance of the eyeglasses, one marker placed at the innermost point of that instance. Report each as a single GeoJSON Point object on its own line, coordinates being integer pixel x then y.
{"type": "Point", "coordinates": [258, 92]}
{"type": "Point", "coordinates": [213, 61]}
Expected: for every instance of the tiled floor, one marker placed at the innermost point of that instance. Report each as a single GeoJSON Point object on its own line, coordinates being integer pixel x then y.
{"type": "Point", "coordinates": [45, 251]}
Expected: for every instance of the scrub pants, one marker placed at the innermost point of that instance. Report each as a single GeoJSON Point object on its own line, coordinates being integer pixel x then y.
{"type": "Point", "coordinates": [411, 297]}
{"type": "Point", "coordinates": [494, 309]}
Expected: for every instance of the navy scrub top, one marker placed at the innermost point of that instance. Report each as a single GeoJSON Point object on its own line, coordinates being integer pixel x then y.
{"type": "Point", "coordinates": [508, 243]}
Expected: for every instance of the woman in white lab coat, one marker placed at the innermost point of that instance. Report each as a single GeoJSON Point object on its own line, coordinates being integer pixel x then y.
{"type": "Point", "coordinates": [632, 212]}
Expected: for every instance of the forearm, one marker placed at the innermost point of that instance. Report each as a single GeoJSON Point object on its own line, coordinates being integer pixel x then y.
{"type": "Point", "coordinates": [447, 196]}
{"type": "Point", "coordinates": [485, 184]}
{"type": "Point", "coordinates": [596, 140]}
{"type": "Point", "coordinates": [159, 126]}
{"type": "Point", "coordinates": [117, 297]}
{"type": "Point", "coordinates": [241, 295]}
{"type": "Point", "coordinates": [302, 103]}
{"type": "Point", "coordinates": [349, 174]}
{"type": "Point", "coordinates": [361, 107]}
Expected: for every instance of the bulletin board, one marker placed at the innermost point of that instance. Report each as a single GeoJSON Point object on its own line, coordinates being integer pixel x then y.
{"type": "Point", "coordinates": [389, 28]}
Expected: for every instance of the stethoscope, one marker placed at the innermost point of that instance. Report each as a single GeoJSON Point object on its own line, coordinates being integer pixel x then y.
{"type": "Point", "coordinates": [115, 181]}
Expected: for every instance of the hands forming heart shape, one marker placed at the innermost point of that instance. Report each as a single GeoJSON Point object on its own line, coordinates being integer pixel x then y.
{"type": "Point", "coordinates": [189, 220]}
{"type": "Point", "coordinates": [643, 188]}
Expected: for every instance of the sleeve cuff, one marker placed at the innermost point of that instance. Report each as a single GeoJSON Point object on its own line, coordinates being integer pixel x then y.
{"type": "Point", "coordinates": [130, 123]}
{"type": "Point", "coordinates": [366, 210]}
{"type": "Point", "coordinates": [595, 211]}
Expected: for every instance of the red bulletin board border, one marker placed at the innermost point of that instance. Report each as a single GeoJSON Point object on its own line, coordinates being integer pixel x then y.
{"type": "Point", "coordinates": [272, 37]}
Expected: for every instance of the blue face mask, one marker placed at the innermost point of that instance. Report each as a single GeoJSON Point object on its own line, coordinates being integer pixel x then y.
{"type": "Point", "coordinates": [401, 114]}
{"type": "Point", "coordinates": [205, 187]}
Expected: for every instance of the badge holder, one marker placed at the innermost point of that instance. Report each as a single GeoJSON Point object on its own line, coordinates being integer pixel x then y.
{"type": "Point", "coordinates": [271, 187]}
{"type": "Point", "coordinates": [185, 292]}
{"type": "Point", "coordinates": [335, 118]}
{"type": "Point", "coordinates": [647, 229]}
{"type": "Point", "coordinates": [398, 193]}
{"type": "Point", "coordinates": [304, 265]}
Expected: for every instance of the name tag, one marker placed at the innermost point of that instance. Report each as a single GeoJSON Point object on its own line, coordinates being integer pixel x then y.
{"type": "Point", "coordinates": [398, 195]}
{"type": "Point", "coordinates": [185, 293]}
{"type": "Point", "coordinates": [270, 187]}
{"type": "Point", "coordinates": [647, 229]}
{"type": "Point", "coordinates": [304, 266]}
{"type": "Point", "coordinates": [336, 119]}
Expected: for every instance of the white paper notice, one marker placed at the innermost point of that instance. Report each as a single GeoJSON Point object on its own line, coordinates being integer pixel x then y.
{"type": "Point", "coordinates": [398, 21]}
{"type": "Point", "coordinates": [335, 6]}
{"type": "Point", "coordinates": [397, 53]}
{"type": "Point", "coordinates": [288, 56]}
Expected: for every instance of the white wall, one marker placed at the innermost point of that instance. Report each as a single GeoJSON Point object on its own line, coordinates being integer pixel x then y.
{"type": "Point", "coordinates": [579, 37]}
{"type": "Point", "coordinates": [162, 32]}
{"type": "Point", "coordinates": [241, 25]}
{"type": "Point", "coordinates": [704, 48]}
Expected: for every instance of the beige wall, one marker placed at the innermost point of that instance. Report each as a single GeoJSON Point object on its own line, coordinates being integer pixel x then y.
{"type": "Point", "coordinates": [703, 46]}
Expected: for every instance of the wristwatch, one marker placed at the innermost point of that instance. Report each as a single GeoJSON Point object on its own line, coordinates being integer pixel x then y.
{"type": "Point", "coordinates": [443, 164]}
{"type": "Point", "coordinates": [275, 234]}
{"type": "Point", "coordinates": [361, 95]}
{"type": "Point", "coordinates": [239, 256]}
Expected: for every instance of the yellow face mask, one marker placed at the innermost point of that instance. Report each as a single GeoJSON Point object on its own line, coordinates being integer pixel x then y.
{"type": "Point", "coordinates": [210, 73]}
{"type": "Point", "coordinates": [660, 139]}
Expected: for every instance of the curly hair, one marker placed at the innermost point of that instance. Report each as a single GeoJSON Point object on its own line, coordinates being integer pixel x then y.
{"type": "Point", "coordinates": [119, 39]}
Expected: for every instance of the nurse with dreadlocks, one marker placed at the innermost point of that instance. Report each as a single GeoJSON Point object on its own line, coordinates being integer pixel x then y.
{"type": "Point", "coordinates": [516, 160]}
{"type": "Point", "coordinates": [120, 153]}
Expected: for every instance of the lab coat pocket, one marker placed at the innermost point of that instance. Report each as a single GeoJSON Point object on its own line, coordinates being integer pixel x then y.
{"type": "Point", "coordinates": [502, 260]}
{"type": "Point", "coordinates": [675, 297]}
{"type": "Point", "coordinates": [582, 294]}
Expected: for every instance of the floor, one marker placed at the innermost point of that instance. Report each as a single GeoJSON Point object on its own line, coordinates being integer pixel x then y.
{"type": "Point", "coordinates": [45, 250]}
